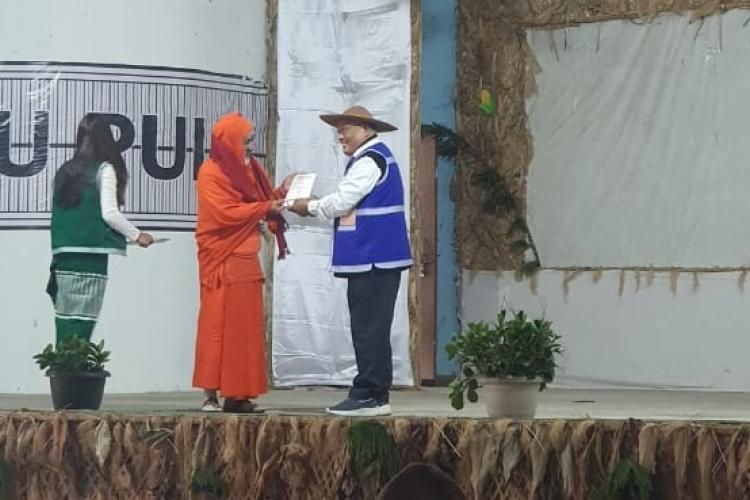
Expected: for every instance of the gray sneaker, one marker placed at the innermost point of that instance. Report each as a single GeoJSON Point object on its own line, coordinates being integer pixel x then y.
{"type": "Point", "coordinates": [360, 408]}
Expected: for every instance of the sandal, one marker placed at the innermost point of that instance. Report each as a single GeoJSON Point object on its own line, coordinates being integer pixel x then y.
{"type": "Point", "coordinates": [211, 405]}
{"type": "Point", "coordinates": [240, 406]}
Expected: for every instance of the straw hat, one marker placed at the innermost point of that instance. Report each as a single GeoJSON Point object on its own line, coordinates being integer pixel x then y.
{"type": "Point", "coordinates": [358, 115]}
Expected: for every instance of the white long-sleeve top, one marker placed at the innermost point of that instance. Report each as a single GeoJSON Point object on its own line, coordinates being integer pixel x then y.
{"type": "Point", "coordinates": [107, 183]}
{"type": "Point", "coordinates": [356, 184]}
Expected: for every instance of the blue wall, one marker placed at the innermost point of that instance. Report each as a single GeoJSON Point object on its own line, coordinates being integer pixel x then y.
{"type": "Point", "coordinates": [438, 82]}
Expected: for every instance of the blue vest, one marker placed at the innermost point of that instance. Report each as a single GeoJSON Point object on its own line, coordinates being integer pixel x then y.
{"type": "Point", "coordinates": [376, 235]}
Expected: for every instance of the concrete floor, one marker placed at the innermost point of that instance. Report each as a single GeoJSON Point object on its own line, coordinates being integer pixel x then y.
{"type": "Point", "coordinates": [433, 402]}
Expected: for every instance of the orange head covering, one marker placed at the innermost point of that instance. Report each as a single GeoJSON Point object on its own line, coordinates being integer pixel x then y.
{"type": "Point", "coordinates": [228, 152]}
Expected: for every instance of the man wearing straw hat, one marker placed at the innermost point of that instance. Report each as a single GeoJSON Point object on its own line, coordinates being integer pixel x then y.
{"type": "Point", "coordinates": [370, 250]}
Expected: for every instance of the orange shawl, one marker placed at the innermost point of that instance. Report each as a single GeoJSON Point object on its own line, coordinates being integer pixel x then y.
{"type": "Point", "coordinates": [232, 199]}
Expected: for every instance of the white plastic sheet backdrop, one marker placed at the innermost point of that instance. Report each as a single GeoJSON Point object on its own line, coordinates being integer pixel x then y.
{"type": "Point", "coordinates": [640, 138]}
{"type": "Point", "coordinates": [647, 337]}
{"type": "Point", "coordinates": [332, 55]}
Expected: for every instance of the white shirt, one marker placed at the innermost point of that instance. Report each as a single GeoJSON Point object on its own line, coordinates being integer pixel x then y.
{"type": "Point", "coordinates": [356, 184]}
{"type": "Point", "coordinates": [107, 180]}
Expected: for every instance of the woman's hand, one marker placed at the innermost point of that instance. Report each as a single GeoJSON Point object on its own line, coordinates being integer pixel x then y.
{"type": "Point", "coordinates": [277, 206]}
{"type": "Point", "coordinates": [144, 240]}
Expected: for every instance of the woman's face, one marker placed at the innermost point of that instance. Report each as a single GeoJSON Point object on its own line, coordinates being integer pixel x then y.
{"type": "Point", "coordinates": [249, 143]}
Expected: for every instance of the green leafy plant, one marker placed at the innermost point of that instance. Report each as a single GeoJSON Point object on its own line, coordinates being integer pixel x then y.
{"type": "Point", "coordinates": [207, 483]}
{"type": "Point", "coordinates": [627, 481]}
{"type": "Point", "coordinates": [447, 141]}
{"type": "Point", "coordinates": [373, 450]}
{"type": "Point", "coordinates": [6, 479]}
{"type": "Point", "coordinates": [73, 355]}
{"type": "Point", "coordinates": [498, 197]}
{"type": "Point", "coordinates": [515, 347]}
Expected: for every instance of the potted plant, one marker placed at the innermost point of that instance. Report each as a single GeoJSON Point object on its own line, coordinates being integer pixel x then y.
{"type": "Point", "coordinates": [76, 373]}
{"type": "Point", "coordinates": [511, 361]}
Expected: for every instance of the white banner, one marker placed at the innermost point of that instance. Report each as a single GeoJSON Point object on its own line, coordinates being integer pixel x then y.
{"type": "Point", "coordinates": [162, 119]}
{"type": "Point", "coordinates": [332, 55]}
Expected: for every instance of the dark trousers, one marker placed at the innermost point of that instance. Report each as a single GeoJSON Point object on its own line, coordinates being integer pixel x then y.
{"type": "Point", "coordinates": [372, 297]}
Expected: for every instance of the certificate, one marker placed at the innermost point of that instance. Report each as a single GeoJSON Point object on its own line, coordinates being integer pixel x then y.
{"type": "Point", "coordinates": [301, 187]}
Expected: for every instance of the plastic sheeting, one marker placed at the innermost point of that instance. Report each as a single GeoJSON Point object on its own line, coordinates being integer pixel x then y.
{"type": "Point", "coordinates": [331, 55]}
{"type": "Point", "coordinates": [640, 144]}
{"type": "Point", "coordinates": [645, 336]}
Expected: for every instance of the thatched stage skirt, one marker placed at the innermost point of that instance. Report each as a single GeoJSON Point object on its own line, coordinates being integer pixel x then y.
{"type": "Point", "coordinates": [67, 455]}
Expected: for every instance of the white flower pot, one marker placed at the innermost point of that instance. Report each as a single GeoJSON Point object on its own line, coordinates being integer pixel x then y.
{"type": "Point", "coordinates": [510, 397]}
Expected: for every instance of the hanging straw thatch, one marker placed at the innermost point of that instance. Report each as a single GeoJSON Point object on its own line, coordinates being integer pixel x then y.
{"type": "Point", "coordinates": [546, 13]}
{"type": "Point", "coordinates": [62, 456]}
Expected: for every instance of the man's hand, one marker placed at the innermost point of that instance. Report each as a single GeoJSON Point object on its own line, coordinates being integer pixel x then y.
{"type": "Point", "coordinates": [277, 206]}
{"type": "Point", "coordinates": [299, 207]}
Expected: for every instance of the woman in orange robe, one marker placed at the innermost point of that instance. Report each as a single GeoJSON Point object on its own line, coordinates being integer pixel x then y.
{"type": "Point", "coordinates": [234, 195]}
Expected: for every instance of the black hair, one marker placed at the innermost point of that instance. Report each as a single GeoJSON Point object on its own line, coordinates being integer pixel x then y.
{"type": "Point", "coordinates": [95, 144]}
